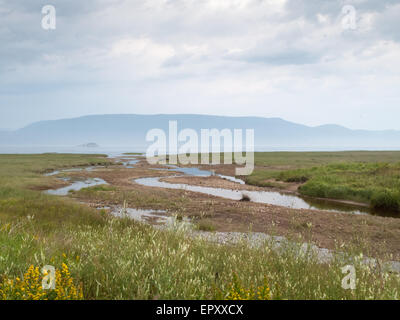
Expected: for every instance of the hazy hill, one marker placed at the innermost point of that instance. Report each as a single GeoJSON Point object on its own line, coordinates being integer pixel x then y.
{"type": "Point", "coordinates": [130, 130]}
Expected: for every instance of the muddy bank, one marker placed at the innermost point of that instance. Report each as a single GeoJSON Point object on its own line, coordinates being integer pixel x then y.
{"type": "Point", "coordinates": [159, 219]}
{"type": "Point", "coordinates": [326, 229]}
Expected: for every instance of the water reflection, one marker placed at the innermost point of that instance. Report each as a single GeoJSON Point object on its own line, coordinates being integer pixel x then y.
{"type": "Point", "coordinates": [76, 186]}
{"type": "Point", "coordinates": [267, 197]}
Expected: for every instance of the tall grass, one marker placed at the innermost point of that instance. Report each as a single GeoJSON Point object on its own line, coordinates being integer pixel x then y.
{"type": "Point", "coordinates": [367, 180]}
{"type": "Point", "coordinates": [374, 183]}
{"type": "Point", "coordinates": [120, 259]}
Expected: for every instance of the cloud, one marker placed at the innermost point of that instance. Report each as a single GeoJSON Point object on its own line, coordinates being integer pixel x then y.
{"type": "Point", "coordinates": [262, 57]}
{"type": "Point", "coordinates": [285, 57]}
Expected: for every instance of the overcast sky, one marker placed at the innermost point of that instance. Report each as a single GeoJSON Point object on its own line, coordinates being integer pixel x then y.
{"type": "Point", "coordinates": [301, 60]}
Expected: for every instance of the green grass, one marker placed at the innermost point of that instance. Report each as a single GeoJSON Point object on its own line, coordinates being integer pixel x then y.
{"type": "Point", "coordinates": [311, 159]}
{"type": "Point", "coordinates": [88, 192]}
{"type": "Point", "coordinates": [205, 225]}
{"type": "Point", "coordinates": [368, 177]}
{"type": "Point", "coordinates": [21, 170]}
{"type": "Point", "coordinates": [121, 259]}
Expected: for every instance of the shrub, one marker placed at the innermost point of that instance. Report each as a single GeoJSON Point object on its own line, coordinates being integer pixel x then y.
{"type": "Point", "coordinates": [236, 291]}
{"type": "Point", "coordinates": [30, 286]}
{"type": "Point", "coordinates": [299, 179]}
{"type": "Point", "coordinates": [299, 176]}
{"type": "Point", "coordinates": [205, 225]}
{"type": "Point", "coordinates": [314, 189]}
{"type": "Point", "coordinates": [386, 200]}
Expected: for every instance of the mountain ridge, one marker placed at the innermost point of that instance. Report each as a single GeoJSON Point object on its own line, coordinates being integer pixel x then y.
{"type": "Point", "coordinates": [131, 129]}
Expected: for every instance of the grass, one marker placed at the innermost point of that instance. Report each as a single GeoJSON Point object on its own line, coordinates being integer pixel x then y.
{"type": "Point", "coordinates": [368, 177]}
{"type": "Point", "coordinates": [115, 258]}
{"type": "Point", "coordinates": [311, 159]}
{"type": "Point", "coordinates": [96, 190]}
{"type": "Point", "coordinates": [205, 225]}
{"type": "Point", "coordinates": [124, 260]}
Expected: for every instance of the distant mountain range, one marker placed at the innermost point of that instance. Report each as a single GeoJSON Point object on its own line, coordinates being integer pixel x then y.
{"type": "Point", "coordinates": [130, 130]}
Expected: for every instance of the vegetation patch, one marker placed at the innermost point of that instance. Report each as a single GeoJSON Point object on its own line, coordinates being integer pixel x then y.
{"type": "Point", "coordinates": [30, 286]}
{"type": "Point", "coordinates": [205, 225]}
{"type": "Point", "coordinates": [373, 178]}
{"type": "Point", "coordinates": [99, 189]}
{"type": "Point", "coordinates": [113, 258]}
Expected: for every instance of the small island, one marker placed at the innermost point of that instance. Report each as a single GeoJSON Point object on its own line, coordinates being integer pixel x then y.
{"type": "Point", "coordinates": [89, 145]}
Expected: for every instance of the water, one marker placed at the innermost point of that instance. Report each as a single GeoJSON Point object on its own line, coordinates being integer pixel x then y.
{"type": "Point", "coordinates": [233, 179]}
{"type": "Point", "coordinates": [113, 151]}
{"type": "Point", "coordinates": [129, 163]}
{"type": "Point", "coordinates": [56, 172]}
{"type": "Point", "coordinates": [29, 149]}
{"type": "Point", "coordinates": [143, 215]}
{"type": "Point", "coordinates": [76, 186]}
{"type": "Point", "coordinates": [79, 185]}
{"type": "Point", "coordinates": [192, 171]}
{"type": "Point", "coordinates": [267, 197]}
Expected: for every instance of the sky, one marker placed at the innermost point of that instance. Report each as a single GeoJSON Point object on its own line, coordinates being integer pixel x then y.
{"type": "Point", "coordinates": [308, 61]}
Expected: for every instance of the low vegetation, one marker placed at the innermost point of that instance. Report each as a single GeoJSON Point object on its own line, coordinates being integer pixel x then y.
{"type": "Point", "coordinates": [368, 177]}
{"type": "Point", "coordinates": [117, 258]}
{"type": "Point", "coordinates": [120, 259]}
{"type": "Point", "coordinates": [205, 225]}
{"type": "Point", "coordinates": [30, 286]}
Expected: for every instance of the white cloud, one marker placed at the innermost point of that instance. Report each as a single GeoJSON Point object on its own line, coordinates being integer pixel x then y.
{"type": "Point", "coordinates": [290, 59]}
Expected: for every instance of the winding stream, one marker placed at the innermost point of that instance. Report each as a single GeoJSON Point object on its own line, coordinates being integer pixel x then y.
{"type": "Point", "coordinates": [127, 161]}
{"type": "Point", "coordinates": [267, 197]}
{"type": "Point", "coordinates": [76, 186]}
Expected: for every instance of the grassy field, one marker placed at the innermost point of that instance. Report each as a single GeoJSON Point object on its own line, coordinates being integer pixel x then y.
{"type": "Point", "coordinates": [111, 258]}
{"type": "Point", "coordinates": [368, 177]}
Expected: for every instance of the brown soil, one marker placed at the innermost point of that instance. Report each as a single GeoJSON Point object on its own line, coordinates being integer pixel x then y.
{"type": "Point", "coordinates": [52, 184]}
{"type": "Point", "coordinates": [214, 181]}
{"type": "Point", "coordinates": [380, 235]}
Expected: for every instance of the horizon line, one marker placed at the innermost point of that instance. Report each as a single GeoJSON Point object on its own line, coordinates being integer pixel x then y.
{"type": "Point", "coordinates": [193, 114]}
